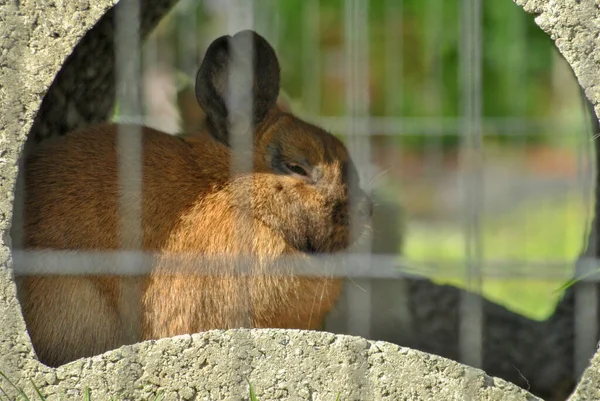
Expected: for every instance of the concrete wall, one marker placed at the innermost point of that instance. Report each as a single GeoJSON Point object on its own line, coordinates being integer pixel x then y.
{"type": "Point", "coordinates": [575, 28]}
{"type": "Point", "coordinates": [36, 39]}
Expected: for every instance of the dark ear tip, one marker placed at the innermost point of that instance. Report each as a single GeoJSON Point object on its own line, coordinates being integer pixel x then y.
{"type": "Point", "coordinates": [212, 60]}
{"type": "Point", "coordinates": [217, 43]}
{"type": "Point", "coordinates": [212, 79]}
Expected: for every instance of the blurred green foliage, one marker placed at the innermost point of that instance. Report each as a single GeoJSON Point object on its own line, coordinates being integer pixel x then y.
{"type": "Point", "coordinates": [414, 59]}
{"type": "Point", "coordinates": [525, 234]}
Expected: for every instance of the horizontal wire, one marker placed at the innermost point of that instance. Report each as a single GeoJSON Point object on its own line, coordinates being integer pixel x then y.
{"type": "Point", "coordinates": [31, 262]}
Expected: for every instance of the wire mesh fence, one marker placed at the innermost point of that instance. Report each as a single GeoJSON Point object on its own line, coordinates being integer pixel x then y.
{"type": "Point", "coordinates": [451, 196]}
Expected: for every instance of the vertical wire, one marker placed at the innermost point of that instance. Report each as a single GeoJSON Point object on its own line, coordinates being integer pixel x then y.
{"type": "Point", "coordinates": [434, 147]}
{"type": "Point", "coordinates": [129, 156]}
{"type": "Point", "coordinates": [311, 62]}
{"type": "Point", "coordinates": [239, 103]}
{"type": "Point", "coordinates": [356, 46]}
{"type": "Point", "coordinates": [240, 15]}
{"type": "Point", "coordinates": [356, 40]}
{"type": "Point", "coordinates": [394, 46]}
{"type": "Point", "coordinates": [471, 316]}
{"type": "Point", "coordinates": [514, 63]}
{"type": "Point", "coordinates": [586, 292]}
{"type": "Point", "coordinates": [393, 87]}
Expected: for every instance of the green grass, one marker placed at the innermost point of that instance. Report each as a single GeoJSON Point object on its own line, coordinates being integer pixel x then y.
{"type": "Point", "coordinates": [22, 396]}
{"type": "Point", "coordinates": [251, 391]}
{"type": "Point", "coordinates": [551, 231]}
{"type": "Point", "coordinates": [87, 395]}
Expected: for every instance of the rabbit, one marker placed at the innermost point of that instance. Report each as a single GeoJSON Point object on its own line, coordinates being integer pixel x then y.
{"type": "Point", "coordinates": [293, 203]}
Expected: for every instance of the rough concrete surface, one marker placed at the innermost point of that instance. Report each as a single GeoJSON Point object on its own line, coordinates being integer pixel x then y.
{"type": "Point", "coordinates": [280, 364]}
{"type": "Point", "coordinates": [36, 38]}
{"type": "Point", "coordinates": [588, 388]}
{"type": "Point", "coordinates": [574, 25]}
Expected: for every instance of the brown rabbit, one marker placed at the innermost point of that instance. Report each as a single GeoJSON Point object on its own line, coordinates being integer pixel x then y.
{"type": "Point", "coordinates": [294, 202]}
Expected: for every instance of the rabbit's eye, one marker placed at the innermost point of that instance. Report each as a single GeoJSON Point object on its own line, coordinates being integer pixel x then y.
{"type": "Point", "coordinates": [295, 168]}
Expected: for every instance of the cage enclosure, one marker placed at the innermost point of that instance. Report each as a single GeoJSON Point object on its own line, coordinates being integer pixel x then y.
{"type": "Point", "coordinates": [468, 129]}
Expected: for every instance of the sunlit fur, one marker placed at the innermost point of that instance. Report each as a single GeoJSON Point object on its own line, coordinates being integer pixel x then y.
{"type": "Point", "coordinates": [190, 204]}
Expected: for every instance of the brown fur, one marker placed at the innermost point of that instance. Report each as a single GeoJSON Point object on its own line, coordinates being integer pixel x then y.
{"type": "Point", "coordinates": [191, 205]}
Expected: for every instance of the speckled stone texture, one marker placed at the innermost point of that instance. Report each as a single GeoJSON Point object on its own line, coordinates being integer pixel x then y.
{"type": "Point", "coordinates": [280, 364]}
{"type": "Point", "coordinates": [37, 37]}
{"type": "Point", "coordinates": [574, 25]}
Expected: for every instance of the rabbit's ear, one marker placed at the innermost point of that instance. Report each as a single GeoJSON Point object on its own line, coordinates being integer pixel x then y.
{"type": "Point", "coordinates": [247, 53]}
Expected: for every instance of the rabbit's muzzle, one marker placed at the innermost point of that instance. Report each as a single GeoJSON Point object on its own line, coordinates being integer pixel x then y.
{"type": "Point", "coordinates": [360, 210]}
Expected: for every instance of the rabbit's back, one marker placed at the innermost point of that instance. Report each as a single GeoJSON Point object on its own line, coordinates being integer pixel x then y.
{"type": "Point", "coordinates": [73, 201]}
{"type": "Point", "coordinates": [73, 186]}
{"type": "Point", "coordinates": [180, 201]}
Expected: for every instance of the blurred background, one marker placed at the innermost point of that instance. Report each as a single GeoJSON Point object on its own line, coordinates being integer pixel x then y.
{"type": "Point", "coordinates": [531, 203]}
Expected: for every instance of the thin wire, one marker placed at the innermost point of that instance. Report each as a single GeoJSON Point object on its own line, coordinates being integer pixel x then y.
{"type": "Point", "coordinates": [434, 156]}
{"type": "Point", "coordinates": [428, 126]}
{"type": "Point", "coordinates": [239, 102]}
{"type": "Point", "coordinates": [129, 153]}
{"type": "Point", "coordinates": [355, 265]}
{"type": "Point", "coordinates": [393, 78]}
{"type": "Point", "coordinates": [240, 15]}
{"type": "Point", "coordinates": [356, 39]}
{"type": "Point", "coordinates": [356, 46]}
{"type": "Point", "coordinates": [586, 293]}
{"type": "Point", "coordinates": [394, 46]}
{"type": "Point", "coordinates": [398, 303]}
{"type": "Point", "coordinates": [471, 316]}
